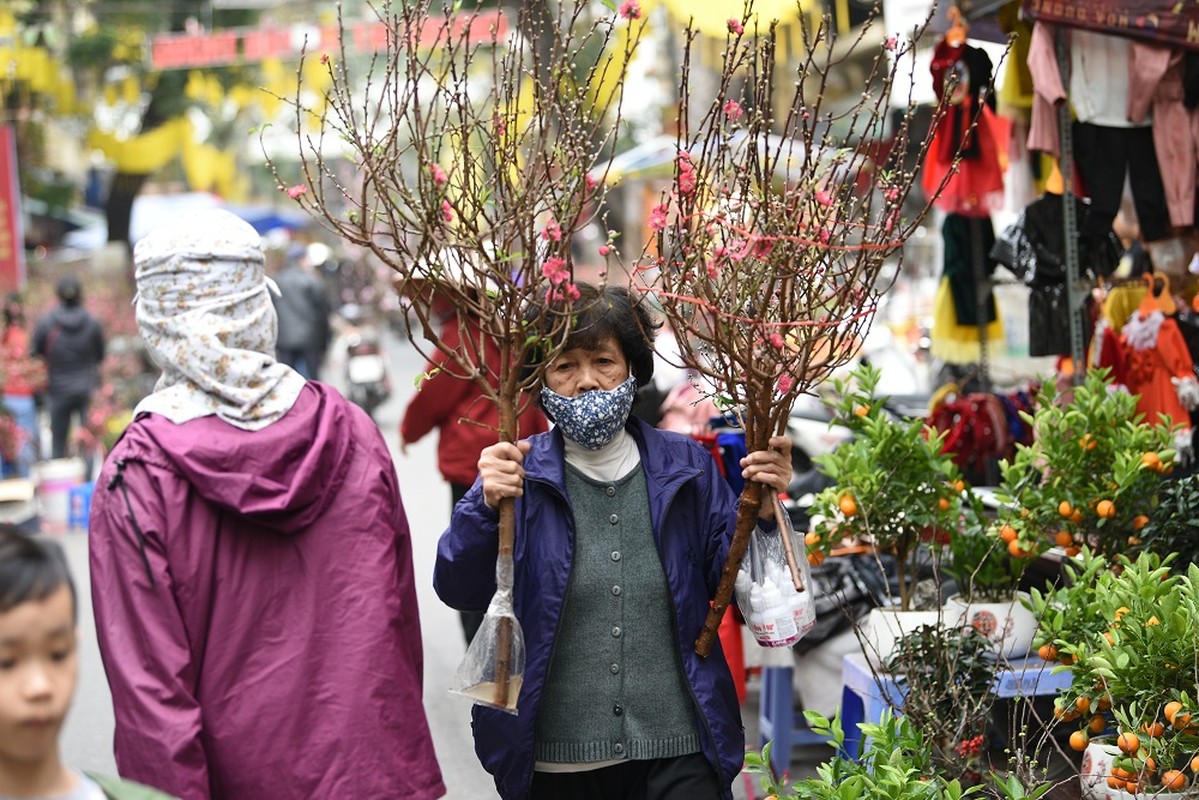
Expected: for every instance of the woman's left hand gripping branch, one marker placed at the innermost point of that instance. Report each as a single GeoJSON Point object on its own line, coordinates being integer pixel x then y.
{"type": "Point", "coordinates": [771, 467]}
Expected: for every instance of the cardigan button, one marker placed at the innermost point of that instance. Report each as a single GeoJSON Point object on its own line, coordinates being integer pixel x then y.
{"type": "Point", "coordinates": [618, 749]}
{"type": "Point", "coordinates": [616, 591]}
{"type": "Point", "coordinates": [611, 491]}
{"type": "Point", "coordinates": [616, 631]}
{"type": "Point", "coordinates": [617, 710]}
{"type": "Point", "coordinates": [615, 669]}
{"type": "Point", "coordinates": [614, 519]}
{"type": "Point", "coordinates": [616, 555]}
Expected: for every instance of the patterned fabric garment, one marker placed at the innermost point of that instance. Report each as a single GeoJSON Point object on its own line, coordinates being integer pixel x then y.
{"type": "Point", "coordinates": [593, 418]}
{"type": "Point", "coordinates": [205, 314]}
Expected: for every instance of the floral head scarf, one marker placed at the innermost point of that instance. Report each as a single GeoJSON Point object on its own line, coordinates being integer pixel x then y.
{"type": "Point", "coordinates": [205, 313]}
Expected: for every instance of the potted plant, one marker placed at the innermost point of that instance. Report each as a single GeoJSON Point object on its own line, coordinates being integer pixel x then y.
{"type": "Point", "coordinates": [1173, 524]}
{"type": "Point", "coordinates": [988, 578]}
{"type": "Point", "coordinates": [1135, 668]}
{"type": "Point", "coordinates": [894, 488]}
{"type": "Point", "coordinates": [1091, 475]}
{"type": "Point", "coordinates": [898, 765]}
{"type": "Point", "coordinates": [947, 677]}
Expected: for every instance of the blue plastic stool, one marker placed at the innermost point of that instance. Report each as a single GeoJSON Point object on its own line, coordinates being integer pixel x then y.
{"type": "Point", "coordinates": [79, 505]}
{"type": "Point", "coordinates": [778, 720]}
{"type": "Point", "coordinates": [864, 696]}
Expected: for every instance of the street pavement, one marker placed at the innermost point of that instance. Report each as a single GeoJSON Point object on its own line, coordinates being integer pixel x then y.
{"type": "Point", "coordinates": [87, 738]}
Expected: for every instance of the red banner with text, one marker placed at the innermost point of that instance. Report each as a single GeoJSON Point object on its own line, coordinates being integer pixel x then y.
{"type": "Point", "coordinates": [1172, 22]}
{"type": "Point", "coordinates": [12, 239]}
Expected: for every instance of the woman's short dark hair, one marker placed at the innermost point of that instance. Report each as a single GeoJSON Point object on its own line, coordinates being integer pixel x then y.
{"type": "Point", "coordinates": [601, 314]}
{"type": "Point", "coordinates": [31, 569]}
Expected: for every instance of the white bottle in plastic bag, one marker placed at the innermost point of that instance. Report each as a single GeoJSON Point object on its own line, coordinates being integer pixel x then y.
{"type": "Point", "coordinates": [775, 612]}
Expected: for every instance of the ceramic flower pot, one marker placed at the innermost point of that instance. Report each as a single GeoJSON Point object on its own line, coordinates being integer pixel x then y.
{"type": "Point", "coordinates": [1097, 766]}
{"type": "Point", "coordinates": [886, 626]}
{"type": "Point", "coordinates": [1008, 625]}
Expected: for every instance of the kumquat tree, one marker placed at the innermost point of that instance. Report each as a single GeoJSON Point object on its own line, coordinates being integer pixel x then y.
{"type": "Point", "coordinates": [770, 246]}
{"type": "Point", "coordinates": [461, 155]}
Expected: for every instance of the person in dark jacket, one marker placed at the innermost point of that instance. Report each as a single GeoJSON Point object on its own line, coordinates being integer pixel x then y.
{"type": "Point", "coordinates": [250, 555]}
{"type": "Point", "coordinates": [72, 343]}
{"type": "Point", "coordinates": [466, 421]}
{"type": "Point", "coordinates": [303, 310]}
{"type": "Point", "coordinates": [622, 531]}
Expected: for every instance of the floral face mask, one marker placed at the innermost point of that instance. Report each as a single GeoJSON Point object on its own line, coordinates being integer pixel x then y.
{"type": "Point", "coordinates": [593, 418]}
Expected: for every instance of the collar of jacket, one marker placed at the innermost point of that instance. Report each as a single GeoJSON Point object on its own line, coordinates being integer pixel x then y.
{"type": "Point", "coordinates": [663, 457]}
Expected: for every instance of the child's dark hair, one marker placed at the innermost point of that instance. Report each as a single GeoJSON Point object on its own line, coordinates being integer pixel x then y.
{"type": "Point", "coordinates": [599, 315]}
{"type": "Point", "coordinates": [31, 569]}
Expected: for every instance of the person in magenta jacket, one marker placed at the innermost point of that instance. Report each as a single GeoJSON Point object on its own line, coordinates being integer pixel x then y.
{"type": "Point", "coordinates": [250, 556]}
{"type": "Point", "coordinates": [467, 422]}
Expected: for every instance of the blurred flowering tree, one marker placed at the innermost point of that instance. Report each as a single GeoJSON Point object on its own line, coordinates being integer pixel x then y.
{"type": "Point", "coordinates": [471, 139]}
{"type": "Point", "coordinates": [770, 244]}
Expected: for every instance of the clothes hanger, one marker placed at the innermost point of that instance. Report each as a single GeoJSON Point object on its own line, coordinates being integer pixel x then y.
{"type": "Point", "coordinates": [1158, 297]}
{"type": "Point", "coordinates": [955, 36]}
{"type": "Point", "coordinates": [1165, 297]}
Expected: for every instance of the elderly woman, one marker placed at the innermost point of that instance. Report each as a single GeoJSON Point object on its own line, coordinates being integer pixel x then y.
{"type": "Point", "coordinates": [622, 532]}
{"type": "Point", "coordinates": [251, 564]}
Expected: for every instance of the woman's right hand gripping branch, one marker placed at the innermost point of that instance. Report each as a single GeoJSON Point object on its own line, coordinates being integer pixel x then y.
{"type": "Point", "coordinates": [501, 471]}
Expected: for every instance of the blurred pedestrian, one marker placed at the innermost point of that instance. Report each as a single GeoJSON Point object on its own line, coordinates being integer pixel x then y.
{"type": "Point", "coordinates": [72, 343]}
{"type": "Point", "coordinates": [303, 308]}
{"type": "Point", "coordinates": [622, 531]}
{"type": "Point", "coordinates": [24, 376]}
{"type": "Point", "coordinates": [466, 420]}
{"type": "Point", "coordinates": [251, 563]}
{"type": "Point", "coordinates": [39, 670]}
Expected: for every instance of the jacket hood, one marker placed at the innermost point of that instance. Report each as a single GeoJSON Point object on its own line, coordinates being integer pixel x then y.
{"type": "Point", "coordinates": [70, 318]}
{"type": "Point", "coordinates": [281, 477]}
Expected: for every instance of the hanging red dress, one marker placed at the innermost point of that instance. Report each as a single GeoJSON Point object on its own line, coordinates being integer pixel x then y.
{"type": "Point", "coordinates": [1159, 368]}
{"type": "Point", "coordinates": [975, 187]}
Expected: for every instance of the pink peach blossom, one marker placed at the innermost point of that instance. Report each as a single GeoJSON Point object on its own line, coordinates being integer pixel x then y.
{"type": "Point", "coordinates": [439, 176]}
{"type": "Point", "coordinates": [295, 191]}
{"type": "Point", "coordinates": [657, 217]}
{"type": "Point", "coordinates": [735, 26]}
{"type": "Point", "coordinates": [555, 269]}
{"type": "Point", "coordinates": [552, 231]}
{"type": "Point", "coordinates": [785, 382]}
{"type": "Point", "coordinates": [630, 9]}
{"type": "Point", "coordinates": [447, 211]}
{"type": "Point", "coordinates": [605, 249]}
{"type": "Point", "coordinates": [733, 110]}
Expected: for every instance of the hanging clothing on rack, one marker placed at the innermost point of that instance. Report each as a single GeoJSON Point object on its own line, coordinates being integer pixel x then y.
{"type": "Point", "coordinates": [1160, 368]}
{"type": "Point", "coordinates": [969, 129]}
{"type": "Point", "coordinates": [1157, 89]}
{"type": "Point", "coordinates": [1108, 146]}
{"type": "Point", "coordinates": [1033, 248]}
{"type": "Point", "coordinates": [956, 324]}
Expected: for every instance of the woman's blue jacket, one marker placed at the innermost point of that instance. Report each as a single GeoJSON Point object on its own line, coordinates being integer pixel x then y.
{"type": "Point", "coordinates": [693, 512]}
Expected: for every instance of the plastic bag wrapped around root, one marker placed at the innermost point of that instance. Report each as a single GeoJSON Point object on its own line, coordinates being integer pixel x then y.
{"type": "Point", "coordinates": [493, 669]}
{"type": "Point", "coordinates": [776, 613]}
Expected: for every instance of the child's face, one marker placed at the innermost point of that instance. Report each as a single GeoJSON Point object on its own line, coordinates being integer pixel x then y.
{"type": "Point", "coordinates": [38, 669]}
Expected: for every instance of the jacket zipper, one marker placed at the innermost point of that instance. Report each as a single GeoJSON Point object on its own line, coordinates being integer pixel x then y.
{"type": "Point", "coordinates": [558, 626]}
{"type": "Point", "coordinates": [674, 618]}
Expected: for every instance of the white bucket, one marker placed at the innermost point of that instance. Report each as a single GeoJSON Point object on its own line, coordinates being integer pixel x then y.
{"type": "Point", "coordinates": [54, 480]}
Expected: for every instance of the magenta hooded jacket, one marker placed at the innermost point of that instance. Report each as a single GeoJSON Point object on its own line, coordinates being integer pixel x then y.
{"type": "Point", "coordinates": [256, 609]}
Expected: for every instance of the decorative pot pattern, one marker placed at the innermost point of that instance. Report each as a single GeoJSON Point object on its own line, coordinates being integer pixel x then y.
{"type": "Point", "coordinates": [1097, 765]}
{"type": "Point", "coordinates": [1009, 625]}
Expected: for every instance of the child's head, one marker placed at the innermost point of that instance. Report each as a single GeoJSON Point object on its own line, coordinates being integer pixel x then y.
{"type": "Point", "coordinates": [38, 666]}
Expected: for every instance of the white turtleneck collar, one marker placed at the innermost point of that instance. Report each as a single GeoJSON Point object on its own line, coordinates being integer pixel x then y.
{"type": "Point", "coordinates": [611, 462]}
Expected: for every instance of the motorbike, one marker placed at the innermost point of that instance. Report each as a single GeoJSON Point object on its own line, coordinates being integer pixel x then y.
{"type": "Point", "coordinates": [366, 380]}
